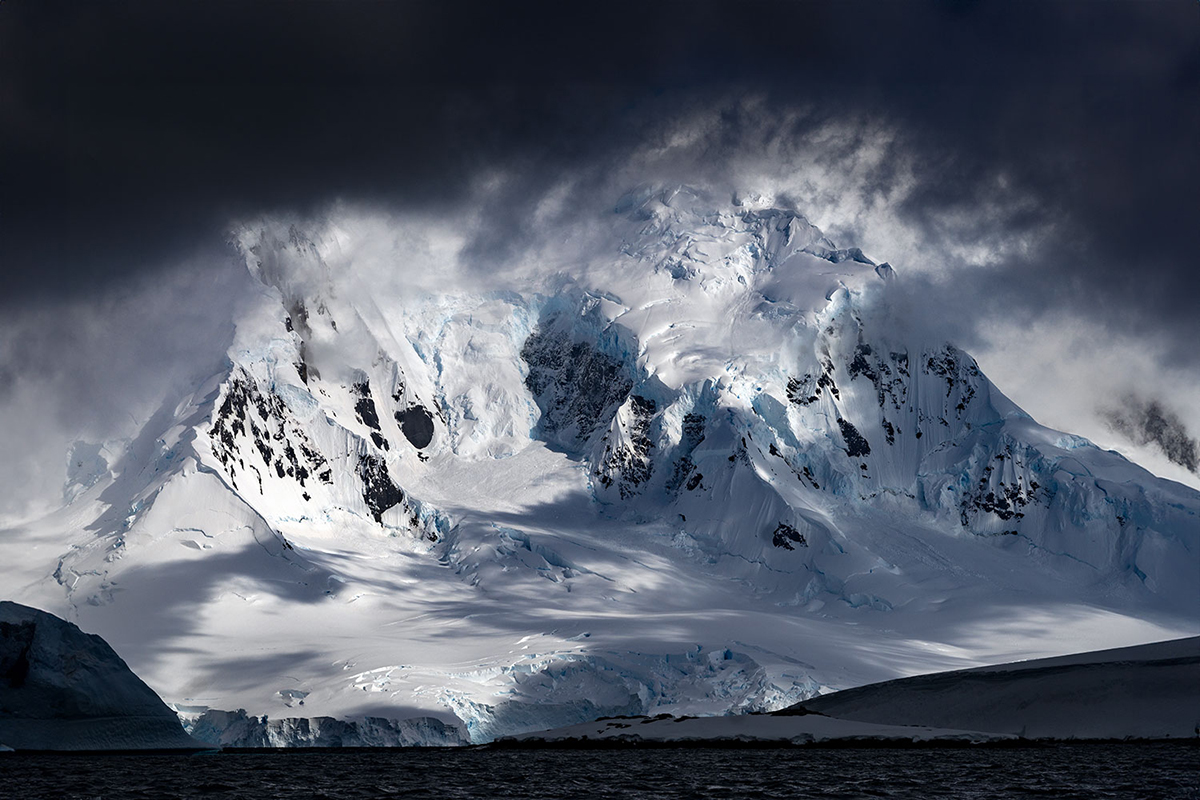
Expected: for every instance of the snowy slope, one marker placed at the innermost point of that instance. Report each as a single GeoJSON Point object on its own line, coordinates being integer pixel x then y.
{"type": "Point", "coordinates": [1151, 691]}
{"type": "Point", "coordinates": [704, 467]}
{"type": "Point", "coordinates": [1145, 692]}
{"type": "Point", "coordinates": [62, 689]}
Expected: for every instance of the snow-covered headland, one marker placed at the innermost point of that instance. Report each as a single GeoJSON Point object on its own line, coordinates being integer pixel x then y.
{"type": "Point", "coordinates": [1149, 691]}
{"type": "Point", "coordinates": [63, 689]}
{"type": "Point", "coordinates": [705, 466]}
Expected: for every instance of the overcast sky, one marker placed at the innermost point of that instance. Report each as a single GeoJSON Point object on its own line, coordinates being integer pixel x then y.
{"type": "Point", "coordinates": [1033, 168]}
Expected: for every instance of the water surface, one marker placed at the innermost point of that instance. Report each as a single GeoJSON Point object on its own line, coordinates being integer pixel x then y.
{"type": "Point", "coordinates": [1065, 771]}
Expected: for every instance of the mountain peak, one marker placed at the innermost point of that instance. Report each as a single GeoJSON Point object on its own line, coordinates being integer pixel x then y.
{"type": "Point", "coordinates": [709, 429]}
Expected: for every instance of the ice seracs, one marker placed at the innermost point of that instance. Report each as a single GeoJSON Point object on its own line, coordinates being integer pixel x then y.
{"type": "Point", "coordinates": [571, 495]}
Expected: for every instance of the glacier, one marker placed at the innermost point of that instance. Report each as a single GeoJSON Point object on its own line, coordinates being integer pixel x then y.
{"type": "Point", "coordinates": [706, 467]}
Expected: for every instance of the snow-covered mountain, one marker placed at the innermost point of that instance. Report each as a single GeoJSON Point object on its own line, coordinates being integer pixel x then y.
{"type": "Point", "coordinates": [708, 466]}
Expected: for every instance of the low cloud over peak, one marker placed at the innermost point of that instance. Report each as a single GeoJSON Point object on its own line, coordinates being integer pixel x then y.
{"type": "Point", "coordinates": [1022, 164]}
{"type": "Point", "coordinates": [1143, 421]}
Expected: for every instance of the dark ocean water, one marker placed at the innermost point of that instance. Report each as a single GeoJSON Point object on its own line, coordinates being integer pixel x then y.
{"type": "Point", "coordinates": [1080, 771]}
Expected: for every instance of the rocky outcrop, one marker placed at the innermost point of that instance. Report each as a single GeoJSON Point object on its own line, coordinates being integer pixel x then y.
{"type": "Point", "coordinates": [577, 386]}
{"type": "Point", "coordinates": [248, 415]}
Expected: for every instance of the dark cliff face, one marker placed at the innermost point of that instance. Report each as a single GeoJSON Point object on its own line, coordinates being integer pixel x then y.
{"type": "Point", "coordinates": [63, 689]}
{"type": "Point", "coordinates": [379, 491]}
{"type": "Point", "coordinates": [251, 418]}
{"type": "Point", "coordinates": [416, 423]}
{"type": "Point", "coordinates": [577, 387]}
{"type": "Point", "coordinates": [629, 465]}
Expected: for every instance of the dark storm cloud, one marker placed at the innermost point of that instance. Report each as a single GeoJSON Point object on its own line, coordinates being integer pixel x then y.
{"type": "Point", "coordinates": [133, 132]}
{"type": "Point", "coordinates": [1145, 422]}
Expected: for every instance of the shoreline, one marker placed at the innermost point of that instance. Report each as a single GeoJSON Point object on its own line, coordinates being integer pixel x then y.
{"type": "Point", "coordinates": [504, 745]}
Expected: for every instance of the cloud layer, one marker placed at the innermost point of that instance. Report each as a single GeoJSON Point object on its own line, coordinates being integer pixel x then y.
{"type": "Point", "coordinates": [135, 130]}
{"type": "Point", "coordinates": [1028, 166]}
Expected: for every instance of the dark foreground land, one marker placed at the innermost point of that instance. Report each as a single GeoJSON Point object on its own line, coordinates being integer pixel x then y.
{"type": "Point", "coordinates": [1158, 770]}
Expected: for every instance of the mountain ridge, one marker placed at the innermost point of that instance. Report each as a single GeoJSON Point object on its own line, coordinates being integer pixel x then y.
{"type": "Point", "coordinates": [719, 404]}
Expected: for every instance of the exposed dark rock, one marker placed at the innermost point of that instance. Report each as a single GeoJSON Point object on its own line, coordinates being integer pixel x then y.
{"type": "Point", "coordinates": [416, 423]}
{"type": "Point", "coordinates": [863, 364]}
{"type": "Point", "coordinates": [787, 537]}
{"type": "Point", "coordinates": [298, 320]}
{"type": "Point", "coordinates": [856, 445]}
{"type": "Point", "coordinates": [364, 406]}
{"type": "Point", "coordinates": [691, 435]}
{"type": "Point", "coordinates": [246, 412]}
{"type": "Point", "coordinates": [575, 385]}
{"type": "Point", "coordinates": [802, 391]}
{"type": "Point", "coordinates": [693, 429]}
{"type": "Point", "coordinates": [825, 380]}
{"type": "Point", "coordinates": [1006, 500]}
{"type": "Point", "coordinates": [958, 370]}
{"type": "Point", "coordinates": [807, 474]}
{"type": "Point", "coordinates": [379, 492]}
{"type": "Point", "coordinates": [889, 375]}
{"type": "Point", "coordinates": [629, 466]}
{"type": "Point", "coordinates": [889, 431]}
{"type": "Point", "coordinates": [683, 468]}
